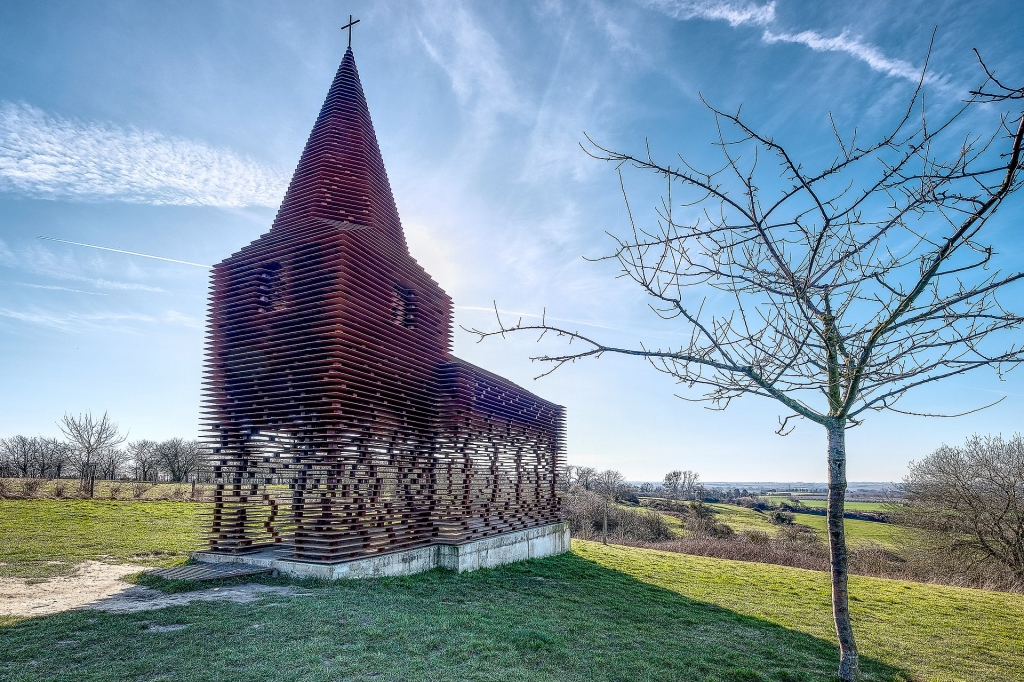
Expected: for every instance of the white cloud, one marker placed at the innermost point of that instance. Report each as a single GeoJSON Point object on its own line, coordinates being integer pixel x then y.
{"type": "Point", "coordinates": [55, 288]}
{"type": "Point", "coordinates": [69, 320]}
{"type": "Point", "coordinates": [53, 157]}
{"type": "Point", "coordinates": [736, 13]}
{"type": "Point", "coordinates": [39, 260]}
{"type": "Point", "coordinates": [104, 319]}
{"type": "Point", "coordinates": [750, 14]}
{"type": "Point", "coordinates": [472, 59]}
{"type": "Point", "coordinates": [865, 52]}
{"type": "Point", "coordinates": [182, 319]}
{"type": "Point", "coordinates": [112, 285]}
{"type": "Point", "coordinates": [6, 255]}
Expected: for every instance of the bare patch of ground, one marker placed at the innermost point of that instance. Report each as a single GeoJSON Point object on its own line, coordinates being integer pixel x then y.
{"type": "Point", "coordinates": [100, 586]}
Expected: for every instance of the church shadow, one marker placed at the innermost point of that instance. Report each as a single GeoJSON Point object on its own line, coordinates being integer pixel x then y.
{"type": "Point", "coordinates": [560, 618]}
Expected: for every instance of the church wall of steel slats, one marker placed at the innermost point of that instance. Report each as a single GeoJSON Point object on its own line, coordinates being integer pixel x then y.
{"type": "Point", "coordinates": [500, 450]}
{"type": "Point", "coordinates": [338, 422]}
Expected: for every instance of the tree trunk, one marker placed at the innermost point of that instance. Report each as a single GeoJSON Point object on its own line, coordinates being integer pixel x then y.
{"type": "Point", "coordinates": [605, 536]}
{"type": "Point", "coordinates": [838, 556]}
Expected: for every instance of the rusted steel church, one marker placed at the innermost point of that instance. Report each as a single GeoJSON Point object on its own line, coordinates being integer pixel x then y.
{"type": "Point", "coordinates": [339, 423]}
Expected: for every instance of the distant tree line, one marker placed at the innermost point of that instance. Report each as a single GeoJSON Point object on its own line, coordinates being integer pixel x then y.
{"type": "Point", "coordinates": [962, 505]}
{"type": "Point", "coordinates": [677, 485]}
{"type": "Point", "coordinates": [94, 449]}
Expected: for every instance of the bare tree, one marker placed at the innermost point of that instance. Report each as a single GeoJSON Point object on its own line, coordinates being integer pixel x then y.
{"type": "Point", "coordinates": [110, 464]}
{"type": "Point", "coordinates": [970, 501]}
{"type": "Point", "coordinates": [179, 458]}
{"type": "Point", "coordinates": [608, 484]}
{"type": "Point", "coordinates": [33, 457]}
{"type": "Point", "coordinates": [53, 457]}
{"type": "Point", "coordinates": [586, 477]}
{"type": "Point", "coordinates": [689, 485]}
{"type": "Point", "coordinates": [20, 455]}
{"type": "Point", "coordinates": [145, 460]}
{"type": "Point", "coordinates": [6, 465]}
{"type": "Point", "coordinates": [834, 288]}
{"type": "Point", "coordinates": [89, 439]}
{"type": "Point", "coordinates": [671, 483]}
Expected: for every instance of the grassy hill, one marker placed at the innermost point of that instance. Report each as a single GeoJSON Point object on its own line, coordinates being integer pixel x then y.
{"type": "Point", "coordinates": [933, 632]}
{"type": "Point", "coordinates": [850, 505]}
{"type": "Point", "coordinates": [858, 533]}
{"type": "Point", "coordinates": [602, 613]}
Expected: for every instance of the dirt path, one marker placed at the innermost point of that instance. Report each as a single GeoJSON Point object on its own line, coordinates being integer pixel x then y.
{"type": "Point", "coordinates": [99, 586]}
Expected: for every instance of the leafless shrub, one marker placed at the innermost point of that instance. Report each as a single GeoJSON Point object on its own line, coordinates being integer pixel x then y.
{"type": "Point", "coordinates": [781, 518]}
{"type": "Point", "coordinates": [700, 521]}
{"type": "Point", "coordinates": [59, 489]}
{"type": "Point", "coordinates": [6, 489]}
{"type": "Point", "coordinates": [758, 537]}
{"type": "Point", "coordinates": [967, 503]}
{"type": "Point", "coordinates": [139, 488]}
{"type": "Point", "coordinates": [178, 493]}
{"type": "Point", "coordinates": [30, 487]}
{"type": "Point", "coordinates": [756, 546]}
{"type": "Point", "coordinates": [584, 511]}
{"type": "Point", "coordinates": [708, 528]}
{"type": "Point", "coordinates": [115, 490]}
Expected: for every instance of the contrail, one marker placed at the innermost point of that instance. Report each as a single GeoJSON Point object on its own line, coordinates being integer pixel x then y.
{"type": "Point", "coordinates": [130, 253]}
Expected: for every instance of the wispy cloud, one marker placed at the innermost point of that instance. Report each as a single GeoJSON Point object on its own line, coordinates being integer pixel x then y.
{"type": "Point", "coordinates": [69, 321]}
{"type": "Point", "coordinates": [41, 261]}
{"type": "Point", "coordinates": [113, 285]}
{"type": "Point", "coordinates": [751, 14]}
{"type": "Point", "coordinates": [865, 52]}
{"type": "Point", "coordinates": [472, 59]}
{"type": "Point", "coordinates": [6, 255]}
{"type": "Point", "coordinates": [54, 157]}
{"type": "Point", "coordinates": [55, 288]}
{"type": "Point", "coordinates": [736, 13]}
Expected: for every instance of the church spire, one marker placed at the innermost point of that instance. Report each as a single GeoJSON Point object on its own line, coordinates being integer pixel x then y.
{"type": "Point", "coordinates": [340, 180]}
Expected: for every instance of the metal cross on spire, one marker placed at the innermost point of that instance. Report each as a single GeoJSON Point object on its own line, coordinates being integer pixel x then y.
{"type": "Point", "coordinates": [349, 26]}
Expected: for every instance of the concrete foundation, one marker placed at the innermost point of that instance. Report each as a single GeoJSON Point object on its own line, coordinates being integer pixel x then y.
{"type": "Point", "coordinates": [507, 548]}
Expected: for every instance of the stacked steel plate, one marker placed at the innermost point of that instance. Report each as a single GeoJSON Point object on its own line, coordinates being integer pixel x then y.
{"type": "Point", "coordinates": [339, 424]}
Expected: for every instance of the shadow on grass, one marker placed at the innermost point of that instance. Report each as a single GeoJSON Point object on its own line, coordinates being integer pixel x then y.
{"type": "Point", "coordinates": [562, 618]}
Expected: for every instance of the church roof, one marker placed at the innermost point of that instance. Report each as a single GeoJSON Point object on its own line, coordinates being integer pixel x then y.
{"type": "Point", "coordinates": [340, 180]}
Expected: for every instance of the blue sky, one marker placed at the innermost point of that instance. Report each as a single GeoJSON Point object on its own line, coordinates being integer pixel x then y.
{"type": "Point", "coordinates": [171, 129]}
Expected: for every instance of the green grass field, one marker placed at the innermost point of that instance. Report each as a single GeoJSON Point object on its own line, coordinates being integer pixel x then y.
{"type": "Point", "coordinates": [933, 632]}
{"type": "Point", "coordinates": [858, 533]}
{"type": "Point", "coordinates": [600, 613]}
{"type": "Point", "coordinates": [42, 538]}
{"type": "Point", "coordinates": [741, 518]}
{"type": "Point", "coordinates": [822, 504]}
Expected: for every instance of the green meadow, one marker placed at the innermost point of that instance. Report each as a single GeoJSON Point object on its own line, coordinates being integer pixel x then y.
{"type": "Point", "coordinates": [43, 538]}
{"type": "Point", "coordinates": [853, 505]}
{"type": "Point", "coordinates": [599, 613]}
